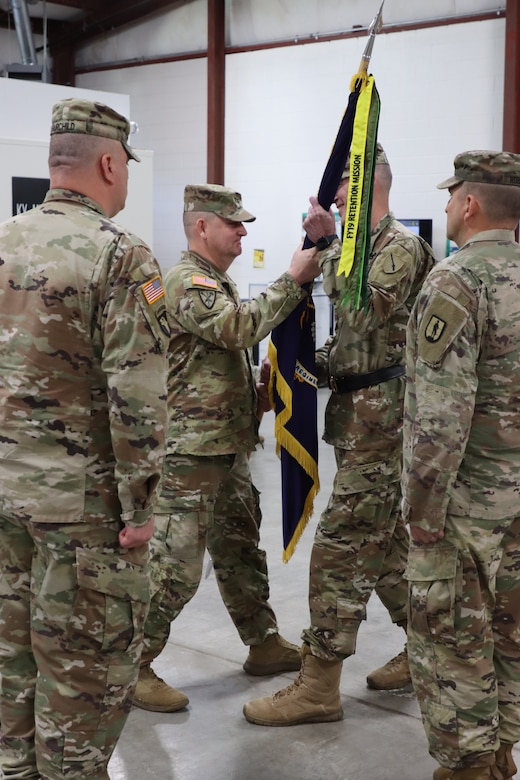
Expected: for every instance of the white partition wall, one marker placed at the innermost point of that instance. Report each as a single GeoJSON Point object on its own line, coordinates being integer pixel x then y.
{"type": "Point", "coordinates": [24, 143]}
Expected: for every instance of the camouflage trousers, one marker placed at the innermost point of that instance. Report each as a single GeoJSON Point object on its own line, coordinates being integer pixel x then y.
{"type": "Point", "coordinates": [212, 503]}
{"type": "Point", "coordinates": [72, 610]}
{"type": "Point", "coordinates": [360, 546]}
{"type": "Point", "coordinates": [464, 638]}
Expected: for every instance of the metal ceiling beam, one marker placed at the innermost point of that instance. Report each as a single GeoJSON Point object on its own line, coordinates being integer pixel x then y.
{"type": "Point", "coordinates": [102, 17]}
{"type": "Point", "coordinates": [80, 5]}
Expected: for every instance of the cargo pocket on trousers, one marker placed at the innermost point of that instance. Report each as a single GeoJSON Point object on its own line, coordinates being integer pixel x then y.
{"type": "Point", "coordinates": [366, 477]}
{"type": "Point", "coordinates": [111, 602]}
{"type": "Point", "coordinates": [432, 576]}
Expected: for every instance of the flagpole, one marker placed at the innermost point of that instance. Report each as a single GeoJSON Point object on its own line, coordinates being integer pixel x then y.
{"type": "Point", "coordinates": [293, 382]}
{"type": "Point", "coordinates": [374, 28]}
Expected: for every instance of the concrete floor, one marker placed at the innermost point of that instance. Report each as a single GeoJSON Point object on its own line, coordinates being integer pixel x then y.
{"type": "Point", "coordinates": [381, 736]}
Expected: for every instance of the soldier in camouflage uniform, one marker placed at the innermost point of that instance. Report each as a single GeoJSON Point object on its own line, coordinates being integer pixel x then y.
{"type": "Point", "coordinates": [461, 478]}
{"type": "Point", "coordinates": [208, 499]}
{"type": "Point", "coordinates": [82, 430]}
{"type": "Point", "coordinates": [361, 541]}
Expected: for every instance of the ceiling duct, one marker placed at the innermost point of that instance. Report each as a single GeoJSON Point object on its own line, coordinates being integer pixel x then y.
{"type": "Point", "coordinates": [28, 69]}
{"type": "Point", "coordinates": [22, 23]}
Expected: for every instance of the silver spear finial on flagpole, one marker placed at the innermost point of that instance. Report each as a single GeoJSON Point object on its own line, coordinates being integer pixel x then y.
{"type": "Point", "coordinates": [374, 27]}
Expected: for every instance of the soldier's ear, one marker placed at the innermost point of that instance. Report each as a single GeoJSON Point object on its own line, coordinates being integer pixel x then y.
{"type": "Point", "coordinates": [471, 206]}
{"type": "Point", "coordinates": [107, 167]}
{"type": "Point", "coordinates": [200, 227]}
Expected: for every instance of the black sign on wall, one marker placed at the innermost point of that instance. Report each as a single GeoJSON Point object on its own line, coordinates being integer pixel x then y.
{"type": "Point", "coordinates": [28, 192]}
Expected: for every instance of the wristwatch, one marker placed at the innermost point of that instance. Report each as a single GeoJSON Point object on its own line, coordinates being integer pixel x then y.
{"type": "Point", "coordinates": [324, 242]}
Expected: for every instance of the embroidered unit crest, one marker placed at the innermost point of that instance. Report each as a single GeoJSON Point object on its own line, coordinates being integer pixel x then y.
{"type": "Point", "coordinates": [434, 329]}
{"type": "Point", "coordinates": [208, 298]}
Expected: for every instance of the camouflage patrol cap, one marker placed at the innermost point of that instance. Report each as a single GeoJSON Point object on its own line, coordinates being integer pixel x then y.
{"type": "Point", "coordinates": [73, 115]}
{"type": "Point", "coordinates": [216, 199]}
{"type": "Point", "coordinates": [485, 167]}
{"type": "Point", "coordinates": [381, 159]}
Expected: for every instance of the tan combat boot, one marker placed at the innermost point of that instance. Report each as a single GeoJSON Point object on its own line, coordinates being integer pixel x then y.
{"type": "Point", "coordinates": [469, 773]}
{"type": "Point", "coordinates": [274, 655]}
{"type": "Point", "coordinates": [312, 698]}
{"type": "Point", "coordinates": [154, 694]}
{"type": "Point", "coordinates": [394, 674]}
{"type": "Point", "coordinates": [504, 761]}
{"type": "Point", "coordinates": [477, 773]}
{"type": "Point", "coordinates": [443, 774]}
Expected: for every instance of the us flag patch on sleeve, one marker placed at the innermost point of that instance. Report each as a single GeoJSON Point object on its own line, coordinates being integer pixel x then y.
{"type": "Point", "coordinates": [203, 281]}
{"type": "Point", "coordinates": [153, 290]}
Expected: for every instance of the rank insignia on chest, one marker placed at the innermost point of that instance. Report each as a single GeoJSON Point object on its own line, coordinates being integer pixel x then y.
{"type": "Point", "coordinates": [434, 329]}
{"type": "Point", "coordinates": [208, 298]}
{"type": "Point", "coordinates": [153, 290]}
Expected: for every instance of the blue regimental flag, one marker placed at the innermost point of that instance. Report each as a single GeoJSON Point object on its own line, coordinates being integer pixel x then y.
{"type": "Point", "coordinates": [293, 388]}
{"type": "Point", "coordinates": [291, 351]}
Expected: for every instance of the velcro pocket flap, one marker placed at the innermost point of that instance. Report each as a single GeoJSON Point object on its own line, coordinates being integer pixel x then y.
{"type": "Point", "coordinates": [366, 477]}
{"type": "Point", "coordinates": [428, 563]}
{"type": "Point", "coordinates": [109, 573]}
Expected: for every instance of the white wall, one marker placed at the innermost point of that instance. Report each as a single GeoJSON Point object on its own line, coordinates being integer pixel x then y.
{"type": "Point", "coordinates": [30, 106]}
{"type": "Point", "coordinates": [441, 91]}
{"type": "Point", "coordinates": [24, 144]}
{"type": "Point", "coordinates": [169, 103]}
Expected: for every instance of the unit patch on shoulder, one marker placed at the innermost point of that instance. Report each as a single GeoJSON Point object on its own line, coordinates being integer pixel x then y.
{"type": "Point", "coordinates": [393, 264]}
{"type": "Point", "coordinates": [153, 290]}
{"type": "Point", "coordinates": [203, 281]}
{"type": "Point", "coordinates": [442, 322]}
{"type": "Point", "coordinates": [434, 329]}
{"type": "Point", "coordinates": [208, 298]}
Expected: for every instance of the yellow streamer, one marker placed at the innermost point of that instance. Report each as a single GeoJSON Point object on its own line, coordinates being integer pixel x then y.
{"type": "Point", "coordinates": [357, 173]}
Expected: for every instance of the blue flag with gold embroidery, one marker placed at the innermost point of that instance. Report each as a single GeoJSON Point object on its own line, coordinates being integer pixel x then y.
{"type": "Point", "coordinates": [293, 383]}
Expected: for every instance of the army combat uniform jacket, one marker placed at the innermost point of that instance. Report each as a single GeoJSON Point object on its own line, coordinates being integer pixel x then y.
{"type": "Point", "coordinates": [367, 422]}
{"type": "Point", "coordinates": [212, 396]}
{"type": "Point", "coordinates": [82, 367]}
{"type": "Point", "coordinates": [462, 415]}
{"type": "Point", "coordinates": [461, 476]}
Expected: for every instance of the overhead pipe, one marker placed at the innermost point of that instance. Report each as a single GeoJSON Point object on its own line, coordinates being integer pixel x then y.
{"type": "Point", "coordinates": [22, 23]}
